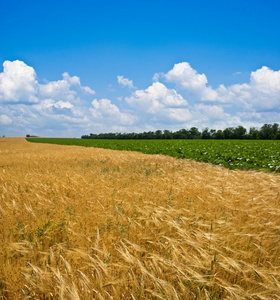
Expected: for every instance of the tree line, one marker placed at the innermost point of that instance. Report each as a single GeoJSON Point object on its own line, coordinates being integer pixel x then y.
{"type": "Point", "coordinates": [266, 132]}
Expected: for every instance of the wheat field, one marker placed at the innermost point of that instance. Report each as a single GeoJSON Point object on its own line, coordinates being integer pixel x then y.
{"type": "Point", "coordinates": [86, 223]}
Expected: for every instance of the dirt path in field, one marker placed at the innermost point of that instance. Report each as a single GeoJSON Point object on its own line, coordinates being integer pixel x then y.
{"type": "Point", "coordinates": [186, 229]}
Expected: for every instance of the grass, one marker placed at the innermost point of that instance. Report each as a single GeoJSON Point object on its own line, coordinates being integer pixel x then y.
{"type": "Point", "coordinates": [233, 154]}
{"type": "Point", "coordinates": [82, 223]}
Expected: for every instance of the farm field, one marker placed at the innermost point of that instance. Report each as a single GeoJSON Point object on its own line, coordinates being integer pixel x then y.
{"type": "Point", "coordinates": [90, 223]}
{"type": "Point", "coordinates": [233, 154]}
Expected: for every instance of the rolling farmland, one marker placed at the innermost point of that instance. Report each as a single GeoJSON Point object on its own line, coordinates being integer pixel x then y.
{"type": "Point", "coordinates": [91, 223]}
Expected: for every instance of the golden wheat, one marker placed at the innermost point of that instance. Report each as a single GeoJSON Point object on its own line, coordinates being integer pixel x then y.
{"type": "Point", "coordinates": [85, 223]}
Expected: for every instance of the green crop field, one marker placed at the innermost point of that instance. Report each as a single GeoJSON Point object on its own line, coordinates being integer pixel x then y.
{"type": "Point", "coordinates": [233, 154]}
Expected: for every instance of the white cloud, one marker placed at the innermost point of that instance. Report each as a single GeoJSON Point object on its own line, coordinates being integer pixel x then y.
{"type": "Point", "coordinates": [125, 82]}
{"type": "Point", "coordinates": [61, 89]}
{"type": "Point", "coordinates": [161, 102]}
{"type": "Point", "coordinates": [18, 83]}
{"type": "Point", "coordinates": [266, 80]}
{"type": "Point", "coordinates": [261, 93]}
{"type": "Point", "coordinates": [44, 104]}
{"type": "Point", "coordinates": [57, 90]}
{"type": "Point", "coordinates": [239, 94]}
{"type": "Point", "coordinates": [29, 104]}
{"type": "Point", "coordinates": [156, 96]}
{"type": "Point", "coordinates": [203, 115]}
{"type": "Point", "coordinates": [210, 112]}
{"type": "Point", "coordinates": [63, 104]}
{"type": "Point", "coordinates": [104, 110]}
{"type": "Point", "coordinates": [214, 116]}
{"type": "Point", "coordinates": [87, 90]}
{"type": "Point", "coordinates": [265, 84]}
{"type": "Point", "coordinates": [5, 120]}
{"type": "Point", "coordinates": [48, 118]}
{"type": "Point", "coordinates": [65, 107]}
{"type": "Point", "coordinates": [176, 114]}
{"type": "Point", "coordinates": [157, 76]}
{"type": "Point", "coordinates": [187, 78]}
{"type": "Point", "coordinates": [49, 103]}
{"type": "Point", "coordinates": [75, 81]}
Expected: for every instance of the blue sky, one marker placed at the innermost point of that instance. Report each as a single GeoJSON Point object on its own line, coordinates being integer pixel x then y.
{"type": "Point", "coordinates": [74, 67]}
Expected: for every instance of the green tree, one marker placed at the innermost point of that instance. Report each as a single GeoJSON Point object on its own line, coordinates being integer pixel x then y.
{"type": "Point", "coordinates": [167, 134]}
{"type": "Point", "coordinates": [275, 129]}
{"type": "Point", "coordinates": [213, 133]}
{"type": "Point", "coordinates": [158, 134]}
{"type": "Point", "coordinates": [206, 134]}
{"type": "Point", "coordinates": [266, 132]}
{"type": "Point", "coordinates": [219, 134]}
{"type": "Point", "coordinates": [239, 132]}
{"type": "Point", "coordinates": [182, 134]}
{"type": "Point", "coordinates": [228, 133]}
{"type": "Point", "coordinates": [253, 133]}
{"type": "Point", "coordinates": [194, 133]}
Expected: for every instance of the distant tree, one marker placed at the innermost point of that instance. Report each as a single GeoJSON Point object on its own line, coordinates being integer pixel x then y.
{"type": "Point", "coordinates": [239, 132]}
{"type": "Point", "coordinates": [158, 134]}
{"type": "Point", "coordinates": [195, 133]}
{"type": "Point", "coordinates": [228, 133]}
{"type": "Point", "coordinates": [253, 133]}
{"type": "Point", "coordinates": [275, 129]}
{"type": "Point", "coordinates": [213, 133]}
{"type": "Point", "coordinates": [167, 134]}
{"type": "Point", "coordinates": [219, 134]}
{"type": "Point", "coordinates": [266, 132]}
{"type": "Point", "coordinates": [181, 134]}
{"type": "Point", "coordinates": [148, 135]}
{"type": "Point", "coordinates": [206, 134]}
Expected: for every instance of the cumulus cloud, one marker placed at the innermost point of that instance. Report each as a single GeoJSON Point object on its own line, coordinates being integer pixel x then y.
{"type": "Point", "coordinates": [104, 110]}
{"type": "Point", "coordinates": [5, 120]}
{"type": "Point", "coordinates": [49, 103]}
{"type": "Point", "coordinates": [161, 102]}
{"type": "Point", "coordinates": [210, 112]}
{"type": "Point", "coordinates": [75, 81]}
{"type": "Point", "coordinates": [66, 106]}
{"type": "Point", "coordinates": [61, 89]}
{"type": "Point", "coordinates": [266, 80]}
{"type": "Point", "coordinates": [125, 82]}
{"type": "Point", "coordinates": [18, 83]}
{"type": "Point", "coordinates": [265, 85]}
{"type": "Point", "coordinates": [187, 78]}
{"type": "Point", "coordinates": [63, 104]}
{"type": "Point", "coordinates": [29, 104]}
{"type": "Point", "coordinates": [58, 90]}
{"type": "Point", "coordinates": [261, 93]}
{"type": "Point", "coordinates": [155, 96]}
{"type": "Point", "coordinates": [203, 115]}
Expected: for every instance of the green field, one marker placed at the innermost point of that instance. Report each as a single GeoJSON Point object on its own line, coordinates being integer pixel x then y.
{"type": "Point", "coordinates": [233, 154]}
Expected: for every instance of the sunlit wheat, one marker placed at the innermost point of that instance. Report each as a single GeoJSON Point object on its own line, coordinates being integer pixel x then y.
{"type": "Point", "coordinates": [85, 223]}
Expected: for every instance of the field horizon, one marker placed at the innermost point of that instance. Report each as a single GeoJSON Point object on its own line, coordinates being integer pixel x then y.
{"type": "Point", "coordinates": [81, 223]}
{"type": "Point", "coordinates": [261, 155]}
